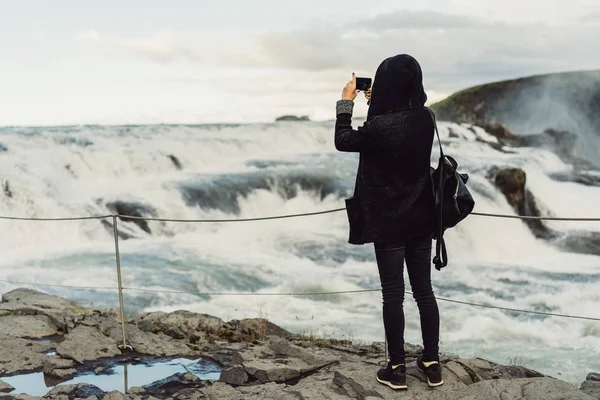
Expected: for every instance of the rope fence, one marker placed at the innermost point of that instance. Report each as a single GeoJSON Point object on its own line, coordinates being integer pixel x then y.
{"type": "Point", "coordinates": [308, 214]}
{"type": "Point", "coordinates": [121, 288]}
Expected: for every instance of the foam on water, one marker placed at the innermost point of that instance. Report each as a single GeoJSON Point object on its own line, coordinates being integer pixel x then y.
{"type": "Point", "coordinates": [493, 261]}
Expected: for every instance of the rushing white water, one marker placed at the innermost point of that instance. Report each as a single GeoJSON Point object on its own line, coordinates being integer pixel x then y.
{"type": "Point", "coordinates": [246, 171]}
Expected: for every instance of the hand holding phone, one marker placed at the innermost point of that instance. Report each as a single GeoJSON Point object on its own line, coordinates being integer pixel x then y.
{"type": "Point", "coordinates": [363, 84]}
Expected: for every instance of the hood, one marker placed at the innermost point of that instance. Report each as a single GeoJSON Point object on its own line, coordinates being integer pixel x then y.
{"type": "Point", "coordinates": [398, 85]}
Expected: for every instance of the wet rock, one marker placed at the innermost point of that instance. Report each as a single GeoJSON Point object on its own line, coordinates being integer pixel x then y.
{"type": "Point", "coordinates": [27, 326]}
{"type": "Point", "coordinates": [511, 182]}
{"type": "Point", "coordinates": [234, 376]}
{"type": "Point", "coordinates": [133, 209]}
{"type": "Point", "coordinates": [175, 161]}
{"type": "Point", "coordinates": [20, 355]}
{"type": "Point", "coordinates": [502, 133]}
{"type": "Point", "coordinates": [587, 178]}
{"type": "Point", "coordinates": [562, 143]}
{"type": "Point", "coordinates": [593, 376]}
{"type": "Point", "coordinates": [580, 242]}
{"type": "Point", "coordinates": [110, 229]}
{"type": "Point", "coordinates": [79, 390]}
{"type": "Point", "coordinates": [5, 387]}
{"type": "Point", "coordinates": [85, 343]}
{"type": "Point", "coordinates": [99, 370]}
{"type": "Point", "coordinates": [6, 188]}
{"type": "Point", "coordinates": [149, 343]}
{"type": "Point", "coordinates": [173, 384]}
{"type": "Point", "coordinates": [591, 385]}
{"type": "Point", "coordinates": [52, 363]}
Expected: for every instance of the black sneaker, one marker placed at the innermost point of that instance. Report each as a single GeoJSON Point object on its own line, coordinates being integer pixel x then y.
{"type": "Point", "coordinates": [433, 372]}
{"type": "Point", "coordinates": [393, 377]}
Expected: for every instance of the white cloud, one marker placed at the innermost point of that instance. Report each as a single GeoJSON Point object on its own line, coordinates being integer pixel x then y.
{"type": "Point", "coordinates": [455, 51]}
{"type": "Point", "coordinates": [163, 47]}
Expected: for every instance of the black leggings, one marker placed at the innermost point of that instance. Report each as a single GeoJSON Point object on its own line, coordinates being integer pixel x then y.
{"type": "Point", "coordinates": [390, 261]}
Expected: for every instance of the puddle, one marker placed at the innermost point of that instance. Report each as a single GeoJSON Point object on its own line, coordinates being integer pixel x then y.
{"type": "Point", "coordinates": [113, 378]}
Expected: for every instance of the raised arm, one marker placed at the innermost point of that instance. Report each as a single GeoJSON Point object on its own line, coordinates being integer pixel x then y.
{"type": "Point", "coordinates": [346, 138]}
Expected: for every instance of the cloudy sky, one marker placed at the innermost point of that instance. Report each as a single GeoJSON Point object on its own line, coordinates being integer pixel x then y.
{"type": "Point", "coordinates": [196, 61]}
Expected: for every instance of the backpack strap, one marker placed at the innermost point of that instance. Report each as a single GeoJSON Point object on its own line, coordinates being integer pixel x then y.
{"type": "Point", "coordinates": [430, 111]}
{"type": "Point", "coordinates": [441, 255]}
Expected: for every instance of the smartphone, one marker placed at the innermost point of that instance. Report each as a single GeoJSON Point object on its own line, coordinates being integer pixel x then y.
{"type": "Point", "coordinates": [363, 84]}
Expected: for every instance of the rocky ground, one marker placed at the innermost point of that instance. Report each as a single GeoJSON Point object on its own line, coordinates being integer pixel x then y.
{"type": "Point", "coordinates": [260, 360]}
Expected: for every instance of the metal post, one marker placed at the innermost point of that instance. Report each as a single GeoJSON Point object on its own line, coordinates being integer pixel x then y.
{"type": "Point", "coordinates": [125, 378]}
{"type": "Point", "coordinates": [118, 256]}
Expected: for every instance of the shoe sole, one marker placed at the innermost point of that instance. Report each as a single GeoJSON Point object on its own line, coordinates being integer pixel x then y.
{"type": "Point", "coordinates": [431, 384]}
{"type": "Point", "coordinates": [390, 384]}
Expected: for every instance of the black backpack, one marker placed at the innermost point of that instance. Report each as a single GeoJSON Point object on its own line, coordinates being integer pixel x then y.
{"type": "Point", "coordinates": [453, 201]}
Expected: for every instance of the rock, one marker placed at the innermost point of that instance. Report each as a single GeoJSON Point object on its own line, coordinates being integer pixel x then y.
{"type": "Point", "coordinates": [6, 186]}
{"type": "Point", "coordinates": [478, 369]}
{"type": "Point", "coordinates": [580, 242]}
{"type": "Point", "coordinates": [192, 325]}
{"type": "Point", "coordinates": [220, 390]}
{"type": "Point", "coordinates": [234, 376]}
{"type": "Point", "coordinates": [62, 375]}
{"type": "Point", "coordinates": [27, 326]}
{"type": "Point", "coordinates": [85, 344]}
{"type": "Point", "coordinates": [30, 302]}
{"type": "Point", "coordinates": [133, 209]}
{"type": "Point", "coordinates": [513, 371]}
{"type": "Point", "coordinates": [5, 387]}
{"type": "Point", "coordinates": [99, 370]}
{"type": "Point", "coordinates": [136, 390]}
{"type": "Point", "coordinates": [562, 143]}
{"type": "Point", "coordinates": [591, 385]}
{"type": "Point", "coordinates": [150, 343]}
{"type": "Point", "coordinates": [53, 362]}
{"type": "Point", "coordinates": [458, 370]}
{"type": "Point", "coordinates": [114, 395]}
{"type": "Point", "coordinates": [511, 183]}
{"type": "Point", "coordinates": [530, 389]}
{"type": "Point", "coordinates": [79, 390]}
{"type": "Point", "coordinates": [173, 384]}
{"type": "Point", "coordinates": [292, 118]}
{"type": "Point", "coordinates": [352, 389]}
{"type": "Point", "coordinates": [59, 368]}
{"type": "Point", "coordinates": [189, 394]}
{"type": "Point", "coordinates": [593, 376]}
{"type": "Point", "coordinates": [175, 161]}
{"type": "Point", "coordinates": [502, 133]}
{"type": "Point", "coordinates": [20, 355]}
{"type": "Point", "coordinates": [20, 397]}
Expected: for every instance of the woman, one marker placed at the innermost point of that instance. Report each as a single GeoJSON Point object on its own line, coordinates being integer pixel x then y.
{"type": "Point", "coordinates": [394, 204]}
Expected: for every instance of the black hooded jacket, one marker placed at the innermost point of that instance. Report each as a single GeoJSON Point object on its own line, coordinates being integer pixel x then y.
{"type": "Point", "coordinates": [393, 181]}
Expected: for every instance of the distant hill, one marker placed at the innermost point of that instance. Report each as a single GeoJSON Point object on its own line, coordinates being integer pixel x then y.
{"type": "Point", "coordinates": [566, 101]}
{"type": "Point", "coordinates": [292, 118]}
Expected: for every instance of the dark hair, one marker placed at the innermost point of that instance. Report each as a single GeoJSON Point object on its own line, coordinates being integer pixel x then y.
{"type": "Point", "coordinates": [398, 85]}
